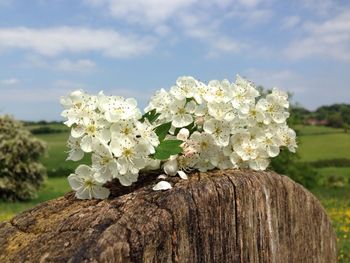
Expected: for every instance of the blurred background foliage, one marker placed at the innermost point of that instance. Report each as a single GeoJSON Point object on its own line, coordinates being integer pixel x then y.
{"type": "Point", "coordinates": [21, 172]}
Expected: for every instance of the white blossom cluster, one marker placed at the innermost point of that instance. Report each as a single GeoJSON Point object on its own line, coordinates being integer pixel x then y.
{"type": "Point", "coordinates": [194, 126]}
{"type": "Point", "coordinates": [109, 128]}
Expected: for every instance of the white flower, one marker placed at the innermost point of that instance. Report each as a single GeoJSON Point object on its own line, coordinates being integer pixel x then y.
{"type": "Point", "coordinates": [247, 150]}
{"type": "Point", "coordinates": [255, 115]}
{"type": "Point", "coordinates": [273, 112]}
{"type": "Point", "coordinates": [177, 165]}
{"type": "Point", "coordinates": [220, 111]}
{"type": "Point", "coordinates": [85, 185]}
{"type": "Point", "coordinates": [280, 97]}
{"type": "Point", "coordinates": [162, 185]}
{"type": "Point", "coordinates": [230, 128]}
{"type": "Point", "coordinates": [127, 179]}
{"type": "Point", "coordinates": [181, 111]}
{"type": "Point", "coordinates": [170, 167]}
{"type": "Point", "coordinates": [78, 105]}
{"type": "Point", "coordinates": [118, 108]}
{"type": "Point", "coordinates": [206, 149]}
{"type": "Point", "coordinates": [183, 134]}
{"type": "Point", "coordinates": [152, 164]}
{"type": "Point", "coordinates": [146, 135]}
{"type": "Point", "coordinates": [202, 91]}
{"type": "Point", "coordinates": [131, 156]}
{"type": "Point", "coordinates": [288, 137]}
{"type": "Point", "coordinates": [160, 102]}
{"type": "Point", "coordinates": [75, 153]}
{"type": "Point", "coordinates": [185, 88]}
{"type": "Point", "coordinates": [270, 143]}
{"type": "Point", "coordinates": [104, 162]}
{"type": "Point", "coordinates": [219, 129]}
{"type": "Point", "coordinates": [221, 161]}
{"type": "Point", "coordinates": [236, 160]}
{"type": "Point", "coordinates": [259, 164]}
{"type": "Point", "coordinates": [91, 131]}
{"type": "Point", "coordinates": [244, 95]}
{"type": "Point", "coordinates": [219, 91]}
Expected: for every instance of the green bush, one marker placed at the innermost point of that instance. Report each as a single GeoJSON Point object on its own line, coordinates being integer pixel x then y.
{"type": "Point", "coordinates": [287, 163]}
{"type": "Point", "coordinates": [21, 173]}
{"type": "Point", "coordinates": [45, 130]}
{"type": "Point", "coordinates": [340, 162]}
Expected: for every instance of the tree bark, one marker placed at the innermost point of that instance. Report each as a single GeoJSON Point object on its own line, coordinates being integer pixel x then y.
{"type": "Point", "coordinates": [220, 216]}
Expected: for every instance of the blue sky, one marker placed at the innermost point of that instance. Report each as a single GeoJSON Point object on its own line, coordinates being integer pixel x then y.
{"type": "Point", "coordinates": [132, 48]}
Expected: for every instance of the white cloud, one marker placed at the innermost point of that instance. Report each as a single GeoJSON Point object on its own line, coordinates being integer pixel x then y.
{"type": "Point", "coordinates": [250, 3]}
{"type": "Point", "coordinates": [283, 79]}
{"type": "Point", "coordinates": [45, 93]}
{"type": "Point", "coordinates": [321, 7]}
{"type": "Point", "coordinates": [143, 11]}
{"type": "Point", "coordinates": [55, 41]}
{"type": "Point", "coordinates": [159, 12]}
{"type": "Point", "coordinates": [290, 22]}
{"type": "Point", "coordinates": [208, 32]}
{"type": "Point", "coordinates": [80, 65]}
{"type": "Point", "coordinates": [329, 39]}
{"type": "Point", "coordinates": [202, 20]}
{"type": "Point", "coordinates": [9, 82]}
{"type": "Point", "coordinates": [251, 17]}
{"type": "Point", "coordinates": [303, 86]}
{"type": "Point", "coordinates": [64, 64]}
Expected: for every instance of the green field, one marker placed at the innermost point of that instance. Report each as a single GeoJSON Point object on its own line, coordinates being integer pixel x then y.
{"type": "Point", "coordinates": [315, 143]}
{"type": "Point", "coordinates": [53, 188]}
{"type": "Point", "coordinates": [316, 130]}
{"type": "Point", "coordinates": [55, 158]}
{"type": "Point", "coordinates": [324, 146]}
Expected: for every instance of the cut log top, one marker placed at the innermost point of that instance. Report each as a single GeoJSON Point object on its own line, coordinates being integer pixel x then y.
{"type": "Point", "coordinates": [220, 216]}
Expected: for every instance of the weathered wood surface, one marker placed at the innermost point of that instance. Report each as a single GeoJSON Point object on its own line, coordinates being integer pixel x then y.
{"type": "Point", "coordinates": [229, 216]}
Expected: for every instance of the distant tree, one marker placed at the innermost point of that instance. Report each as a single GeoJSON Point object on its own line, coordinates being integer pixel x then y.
{"type": "Point", "coordinates": [334, 114]}
{"type": "Point", "coordinates": [335, 120]}
{"type": "Point", "coordinates": [21, 173]}
{"type": "Point", "coordinates": [298, 114]}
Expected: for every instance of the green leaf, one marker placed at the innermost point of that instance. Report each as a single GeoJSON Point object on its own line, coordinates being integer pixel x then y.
{"type": "Point", "coordinates": [167, 148]}
{"type": "Point", "coordinates": [188, 100]}
{"type": "Point", "coordinates": [151, 116]}
{"type": "Point", "coordinates": [191, 128]}
{"type": "Point", "coordinates": [162, 130]}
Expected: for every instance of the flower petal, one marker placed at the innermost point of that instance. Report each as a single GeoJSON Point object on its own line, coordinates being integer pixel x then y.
{"type": "Point", "coordinates": [100, 192]}
{"type": "Point", "coordinates": [77, 131]}
{"type": "Point", "coordinates": [83, 170]}
{"type": "Point", "coordinates": [182, 175]}
{"type": "Point", "coordinates": [162, 185]}
{"type": "Point", "coordinates": [86, 144]}
{"type": "Point", "coordinates": [162, 176]}
{"type": "Point", "coordinates": [75, 155]}
{"type": "Point", "coordinates": [75, 182]}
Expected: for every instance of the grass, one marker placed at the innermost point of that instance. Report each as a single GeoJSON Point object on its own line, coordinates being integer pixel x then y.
{"type": "Point", "coordinates": [334, 177]}
{"type": "Point", "coordinates": [54, 126]}
{"type": "Point", "coordinates": [324, 143]}
{"type": "Point", "coordinates": [324, 146]}
{"type": "Point", "coordinates": [53, 188]}
{"type": "Point", "coordinates": [55, 159]}
{"type": "Point", "coordinates": [336, 201]}
{"type": "Point", "coordinates": [316, 143]}
{"type": "Point", "coordinates": [316, 130]}
{"type": "Point", "coordinates": [341, 171]}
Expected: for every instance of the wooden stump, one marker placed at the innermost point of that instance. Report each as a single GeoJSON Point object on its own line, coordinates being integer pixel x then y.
{"type": "Point", "coordinates": [221, 216]}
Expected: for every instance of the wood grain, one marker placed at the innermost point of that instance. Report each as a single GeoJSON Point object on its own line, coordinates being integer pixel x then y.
{"type": "Point", "coordinates": [221, 216]}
